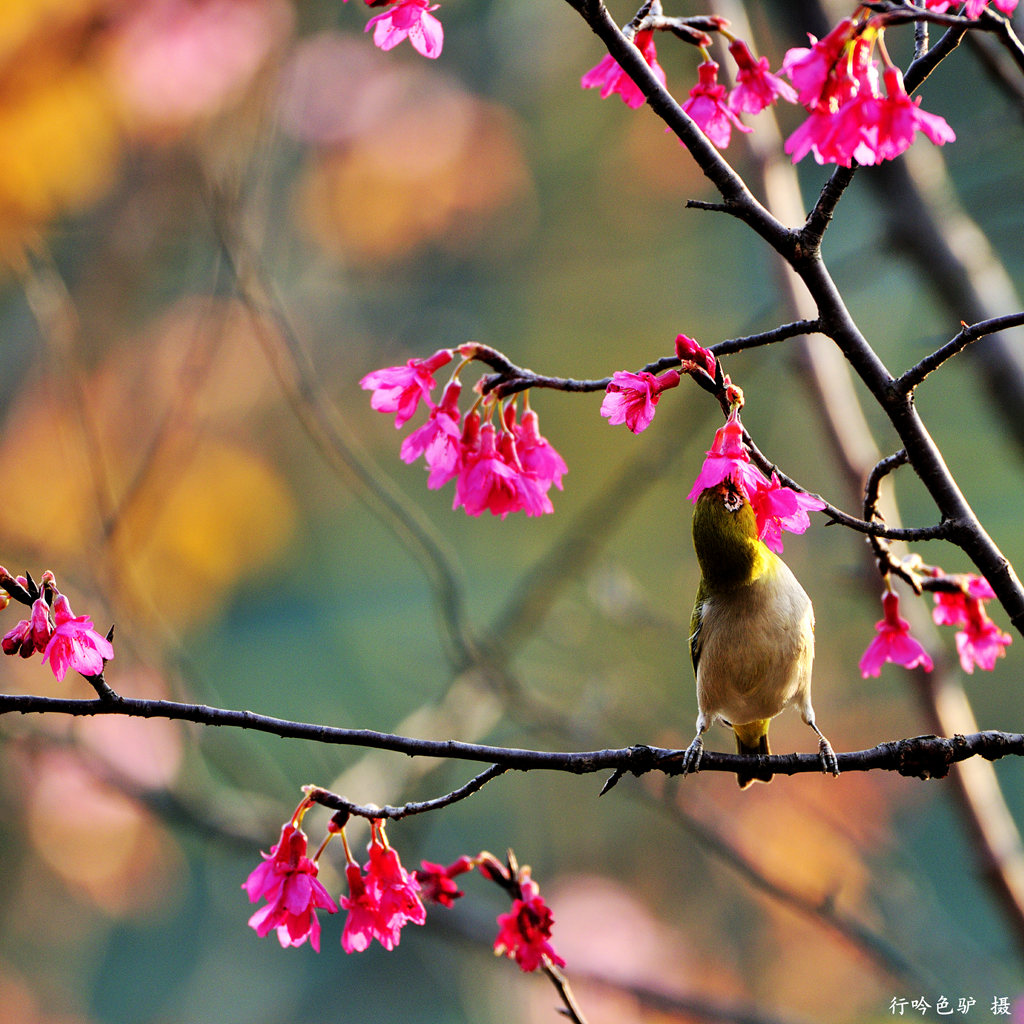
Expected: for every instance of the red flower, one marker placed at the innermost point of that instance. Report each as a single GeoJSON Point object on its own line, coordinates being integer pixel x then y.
{"type": "Point", "coordinates": [408, 19]}
{"type": "Point", "coordinates": [287, 880]}
{"type": "Point", "coordinates": [756, 87]}
{"type": "Point", "coordinates": [981, 642]}
{"type": "Point", "coordinates": [74, 643]}
{"type": "Point", "coordinates": [809, 69]}
{"type": "Point", "coordinates": [525, 931]}
{"type": "Point", "coordinates": [778, 508]}
{"type": "Point", "coordinates": [382, 901]}
{"type": "Point", "coordinates": [439, 439]}
{"type": "Point", "coordinates": [398, 389]}
{"type": "Point", "coordinates": [437, 882]}
{"type": "Point", "coordinates": [536, 453]}
{"type": "Point", "coordinates": [31, 635]}
{"type": "Point", "coordinates": [631, 397]}
{"type": "Point", "coordinates": [708, 107]}
{"type": "Point", "coordinates": [728, 459]}
{"type": "Point", "coordinates": [610, 78]}
{"type": "Point", "coordinates": [486, 481]}
{"type": "Point", "coordinates": [695, 358]}
{"type": "Point", "coordinates": [893, 642]}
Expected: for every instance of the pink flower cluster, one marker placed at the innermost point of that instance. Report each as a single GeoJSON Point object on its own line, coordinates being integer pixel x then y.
{"type": "Point", "coordinates": [972, 8]}
{"type": "Point", "coordinates": [407, 19]}
{"type": "Point", "coordinates": [503, 468]}
{"type": "Point", "coordinates": [776, 508]}
{"type": "Point", "coordinates": [383, 897]}
{"type": "Point", "coordinates": [979, 643]}
{"type": "Point", "coordinates": [65, 640]}
{"type": "Point", "coordinates": [836, 79]}
{"type": "Point", "coordinates": [712, 107]}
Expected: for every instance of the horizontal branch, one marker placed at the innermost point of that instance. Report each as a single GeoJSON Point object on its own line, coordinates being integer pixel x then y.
{"type": "Point", "coordinates": [920, 757]}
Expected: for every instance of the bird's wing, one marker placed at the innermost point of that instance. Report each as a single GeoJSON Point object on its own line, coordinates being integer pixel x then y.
{"type": "Point", "coordinates": [696, 637]}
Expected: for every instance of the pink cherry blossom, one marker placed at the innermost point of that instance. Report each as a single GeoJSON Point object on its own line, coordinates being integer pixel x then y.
{"type": "Point", "coordinates": [30, 636]}
{"type": "Point", "coordinates": [894, 121]}
{"type": "Point", "coordinates": [893, 642]}
{"type": "Point", "coordinates": [525, 931]}
{"type": "Point", "coordinates": [439, 440]}
{"type": "Point", "coordinates": [809, 68]}
{"type": "Point", "coordinates": [408, 19]}
{"type": "Point", "coordinates": [74, 643]}
{"type": "Point", "coordinates": [778, 508]}
{"type": "Point", "coordinates": [536, 454]}
{"type": "Point", "coordinates": [756, 87]}
{"type": "Point", "coordinates": [398, 389]}
{"type": "Point", "coordinates": [708, 107]}
{"type": "Point", "coordinates": [486, 482]}
{"type": "Point", "coordinates": [437, 882]}
{"type": "Point", "coordinates": [609, 77]}
{"type": "Point", "coordinates": [630, 398]}
{"type": "Point", "coordinates": [287, 879]}
{"type": "Point", "coordinates": [728, 459]}
{"type": "Point", "coordinates": [533, 494]}
{"type": "Point", "coordinates": [694, 357]}
{"type": "Point", "coordinates": [981, 642]}
{"type": "Point", "coordinates": [381, 901]}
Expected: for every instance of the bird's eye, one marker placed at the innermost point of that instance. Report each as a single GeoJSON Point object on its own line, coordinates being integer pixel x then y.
{"type": "Point", "coordinates": [732, 500]}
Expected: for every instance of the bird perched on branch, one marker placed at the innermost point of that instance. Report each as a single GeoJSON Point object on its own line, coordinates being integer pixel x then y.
{"type": "Point", "coordinates": [751, 633]}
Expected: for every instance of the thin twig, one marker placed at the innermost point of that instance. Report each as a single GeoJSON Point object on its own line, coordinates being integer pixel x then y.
{"type": "Point", "coordinates": [339, 803]}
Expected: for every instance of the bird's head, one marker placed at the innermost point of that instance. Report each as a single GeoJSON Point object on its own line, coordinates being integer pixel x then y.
{"type": "Point", "coordinates": [725, 537]}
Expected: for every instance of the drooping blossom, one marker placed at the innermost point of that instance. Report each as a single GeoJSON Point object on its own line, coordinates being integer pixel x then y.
{"type": "Point", "coordinates": [439, 439]}
{"type": "Point", "coordinates": [533, 495]}
{"type": "Point", "coordinates": [412, 20]}
{"type": "Point", "coordinates": [778, 508]}
{"type": "Point", "coordinates": [981, 642]}
{"type": "Point", "coordinates": [893, 642]}
{"type": "Point", "coordinates": [609, 77]}
{"type": "Point", "coordinates": [850, 118]}
{"type": "Point", "coordinates": [485, 482]}
{"type": "Point", "coordinates": [728, 459]}
{"type": "Point", "coordinates": [694, 357]}
{"type": "Point", "coordinates": [30, 636]}
{"type": "Point", "coordinates": [536, 453]}
{"type": "Point", "coordinates": [398, 389]}
{"type": "Point", "coordinates": [525, 931]}
{"type": "Point", "coordinates": [891, 123]}
{"type": "Point", "coordinates": [709, 108]}
{"type": "Point", "coordinates": [973, 8]}
{"type": "Point", "coordinates": [437, 882]}
{"type": "Point", "coordinates": [382, 900]}
{"type": "Point", "coordinates": [756, 87]}
{"type": "Point", "coordinates": [74, 643]}
{"type": "Point", "coordinates": [630, 398]}
{"type": "Point", "coordinates": [809, 68]}
{"type": "Point", "coordinates": [287, 880]}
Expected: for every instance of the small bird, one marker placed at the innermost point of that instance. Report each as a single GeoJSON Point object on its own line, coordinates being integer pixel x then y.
{"type": "Point", "coordinates": [751, 633]}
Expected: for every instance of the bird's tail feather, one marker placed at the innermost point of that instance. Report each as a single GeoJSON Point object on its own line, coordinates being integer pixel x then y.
{"type": "Point", "coordinates": [752, 740]}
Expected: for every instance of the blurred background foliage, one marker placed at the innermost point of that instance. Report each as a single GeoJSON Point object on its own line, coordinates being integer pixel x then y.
{"type": "Point", "coordinates": [150, 458]}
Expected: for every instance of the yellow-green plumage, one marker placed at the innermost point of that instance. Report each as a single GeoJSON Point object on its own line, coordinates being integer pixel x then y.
{"type": "Point", "coordinates": [751, 632]}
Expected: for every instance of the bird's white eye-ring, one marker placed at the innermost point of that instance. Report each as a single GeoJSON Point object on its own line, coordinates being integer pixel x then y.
{"type": "Point", "coordinates": [732, 500]}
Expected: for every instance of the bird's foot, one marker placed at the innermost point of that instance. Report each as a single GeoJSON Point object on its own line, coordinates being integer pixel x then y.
{"type": "Point", "coordinates": [827, 757]}
{"type": "Point", "coordinates": [693, 755]}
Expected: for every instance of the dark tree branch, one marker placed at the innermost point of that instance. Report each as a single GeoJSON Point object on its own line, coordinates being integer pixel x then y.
{"type": "Point", "coordinates": [922, 756]}
{"type": "Point", "coordinates": [969, 334]}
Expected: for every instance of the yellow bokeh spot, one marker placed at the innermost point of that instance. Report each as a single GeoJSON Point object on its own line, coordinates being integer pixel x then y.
{"type": "Point", "coordinates": [187, 537]}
